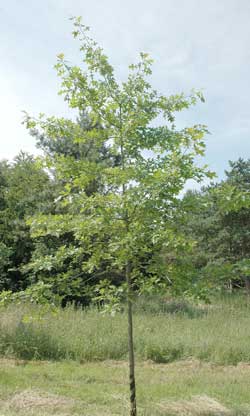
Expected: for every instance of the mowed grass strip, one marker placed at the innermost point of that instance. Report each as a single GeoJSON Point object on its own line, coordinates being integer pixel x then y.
{"type": "Point", "coordinates": [164, 332]}
{"type": "Point", "coordinates": [186, 388]}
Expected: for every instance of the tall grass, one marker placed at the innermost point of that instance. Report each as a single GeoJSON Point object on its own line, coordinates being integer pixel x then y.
{"type": "Point", "coordinates": [164, 331]}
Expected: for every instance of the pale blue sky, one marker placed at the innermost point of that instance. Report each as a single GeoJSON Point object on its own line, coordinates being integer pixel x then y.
{"type": "Point", "coordinates": [195, 44]}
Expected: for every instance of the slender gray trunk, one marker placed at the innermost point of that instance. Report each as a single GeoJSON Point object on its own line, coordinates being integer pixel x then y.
{"type": "Point", "coordinates": [131, 357]}
{"type": "Point", "coordinates": [133, 411]}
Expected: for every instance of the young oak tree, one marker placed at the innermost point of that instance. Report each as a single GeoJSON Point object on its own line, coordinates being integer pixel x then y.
{"type": "Point", "coordinates": [130, 218]}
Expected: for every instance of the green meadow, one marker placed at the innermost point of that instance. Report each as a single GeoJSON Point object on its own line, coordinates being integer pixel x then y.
{"type": "Point", "coordinates": [191, 359]}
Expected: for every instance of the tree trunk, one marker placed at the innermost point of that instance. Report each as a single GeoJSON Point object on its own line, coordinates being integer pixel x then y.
{"type": "Point", "coordinates": [247, 285]}
{"type": "Point", "coordinates": [132, 388]}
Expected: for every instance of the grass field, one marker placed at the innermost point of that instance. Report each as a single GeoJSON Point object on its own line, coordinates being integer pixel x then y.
{"type": "Point", "coordinates": [191, 360]}
{"type": "Point", "coordinates": [219, 333]}
{"type": "Point", "coordinates": [187, 388]}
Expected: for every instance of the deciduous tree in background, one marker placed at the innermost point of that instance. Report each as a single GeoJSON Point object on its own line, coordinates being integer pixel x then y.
{"type": "Point", "coordinates": [220, 223]}
{"type": "Point", "coordinates": [25, 188]}
{"type": "Point", "coordinates": [131, 218]}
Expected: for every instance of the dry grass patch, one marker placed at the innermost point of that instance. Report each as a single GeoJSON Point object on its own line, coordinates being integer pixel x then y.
{"type": "Point", "coordinates": [34, 400]}
{"type": "Point", "coordinates": [197, 406]}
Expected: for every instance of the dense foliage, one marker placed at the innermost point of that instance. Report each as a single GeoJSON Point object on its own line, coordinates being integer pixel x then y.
{"type": "Point", "coordinates": [219, 221]}
{"type": "Point", "coordinates": [215, 222]}
{"type": "Point", "coordinates": [25, 188]}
